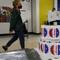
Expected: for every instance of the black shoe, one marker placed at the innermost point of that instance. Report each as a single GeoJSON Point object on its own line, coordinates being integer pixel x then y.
{"type": "Point", "coordinates": [5, 48]}
{"type": "Point", "coordinates": [22, 48]}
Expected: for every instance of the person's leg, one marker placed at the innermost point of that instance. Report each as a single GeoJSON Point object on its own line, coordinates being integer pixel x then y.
{"type": "Point", "coordinates": [22, 40]}
{"type": "Point", "coordinates": [14, 38]}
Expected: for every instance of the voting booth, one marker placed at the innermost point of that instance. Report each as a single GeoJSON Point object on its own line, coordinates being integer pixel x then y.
{"type": "Point", "coordinates": [50, 41]}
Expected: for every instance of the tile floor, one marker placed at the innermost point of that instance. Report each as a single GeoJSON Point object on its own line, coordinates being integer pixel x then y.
{"type": "Point", "coordinates": [30, 42]}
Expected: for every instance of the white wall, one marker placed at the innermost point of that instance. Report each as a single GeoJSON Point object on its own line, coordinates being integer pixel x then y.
{"type": "Point", "coordinates": [55, 4]}
{"type": "Point", "coordinates": [6, 3]}
{"type": "Point", "coordinates": [4, 27]}
{"type": "Point", "coordinates": [37, 17]}
{"type": "Point", "coordinates": [35, 14]}
{"type": "Point", "coordinates": [25, 13]}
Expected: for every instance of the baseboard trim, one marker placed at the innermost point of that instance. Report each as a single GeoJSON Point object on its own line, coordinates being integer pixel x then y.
{"type": "Point", "coordinates": [34, 33]}
{"type": "Point", "coordinates": [6, 34]}
{"type": "Point", "coordinates": [29, 33]}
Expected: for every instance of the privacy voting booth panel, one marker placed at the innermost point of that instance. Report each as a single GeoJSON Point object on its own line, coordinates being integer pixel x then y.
{"type": "Point", "coordinates": [5, 17]}
{"type": "Point", "coordinates": [51, 32]}
{"type": "Point", "coordinates": [50, 41]}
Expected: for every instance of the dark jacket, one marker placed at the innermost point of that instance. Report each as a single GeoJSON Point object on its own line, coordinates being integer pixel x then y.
{"type": "Point", "coordinates": [16, 21]}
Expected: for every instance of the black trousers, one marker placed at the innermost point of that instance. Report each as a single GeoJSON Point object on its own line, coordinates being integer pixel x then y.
{"type": "Point", "coordinates": [20, 35]}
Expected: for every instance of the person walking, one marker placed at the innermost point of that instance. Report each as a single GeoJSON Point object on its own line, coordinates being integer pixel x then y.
{"type": "Point", "coordinates": [16, 25]}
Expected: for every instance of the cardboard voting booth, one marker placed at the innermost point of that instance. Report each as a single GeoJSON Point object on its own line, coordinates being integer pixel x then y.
{"type": "Point", "coordinates": [50, 40]}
